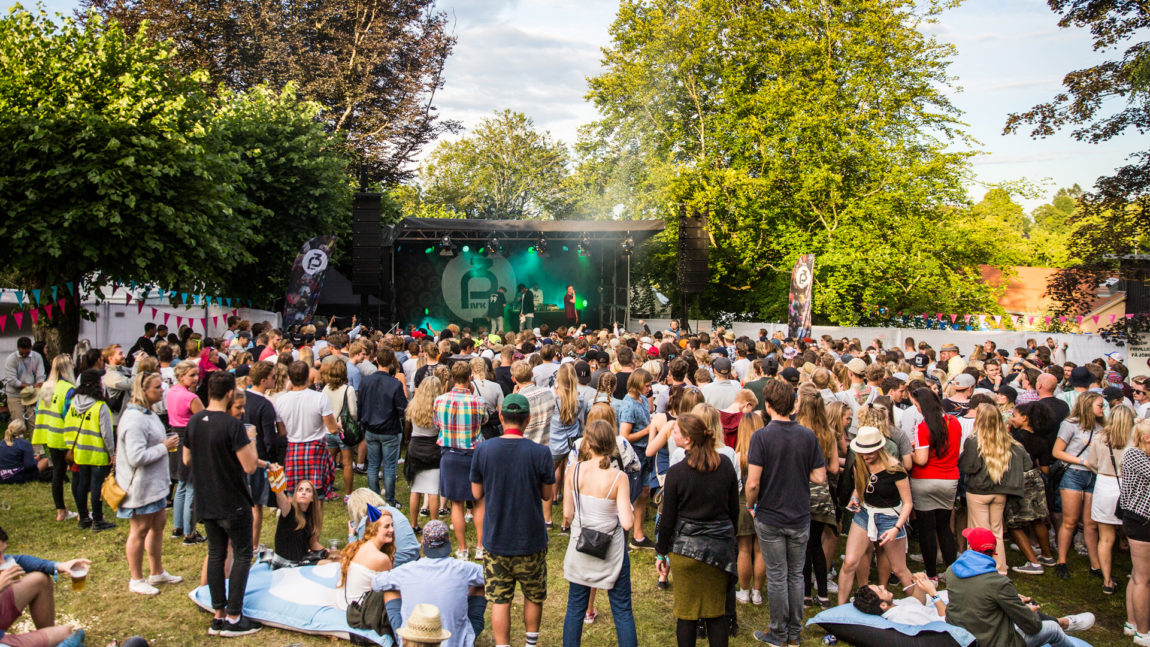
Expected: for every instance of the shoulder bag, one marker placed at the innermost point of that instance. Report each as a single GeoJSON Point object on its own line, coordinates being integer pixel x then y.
{"type": "Point", "coordinates": [111, 492]}
{"type": "Point", "coordinates": [1058, 469]}
{"type": "Point", "coordinates": [591, 542]}
{"type": "Point", "coordinates": [350, 433]}
{"type": "Point", "coordinates": [369, 612]}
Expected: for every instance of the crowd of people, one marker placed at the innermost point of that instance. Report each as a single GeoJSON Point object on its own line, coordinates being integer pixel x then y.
{"type": "Point", "coordinates": [750, 458]}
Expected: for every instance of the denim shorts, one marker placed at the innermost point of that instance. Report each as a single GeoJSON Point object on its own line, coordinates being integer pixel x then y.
{"type": "Point", "coordinates": [883, 522]}
{"type": "Point", "coordinates": [333, 441]}
{"type": "Point", "coordinates": [150, 508]}
{"type": "Point", "coordinates": [1078, 480]}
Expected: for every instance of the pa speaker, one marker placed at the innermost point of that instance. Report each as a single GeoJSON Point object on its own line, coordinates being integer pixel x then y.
{"type": "Point", "coordinates": [366, 243]}
{"type": "Point", "coordinates": [693, 251]}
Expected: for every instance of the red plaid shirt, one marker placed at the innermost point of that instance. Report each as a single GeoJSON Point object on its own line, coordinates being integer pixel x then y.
{"type": "Point", "coordinates": [459, 414]}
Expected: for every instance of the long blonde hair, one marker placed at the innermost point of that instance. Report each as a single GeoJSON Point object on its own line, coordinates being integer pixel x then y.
{"type": "Point", "coordinates": [61, 370]}
{"type": "Point", "coordinates": [566, 387]}
{"type": "Point", "coordinates": [994, 441]}
{"type": "Point", "coordinates": [834, 412]}
{"type": "Point", "coordinates": [747, 427]}
{"type": "Point", "coordinates": [1119, 427]}
{"type": "Point", "coordinates": [421, 409]}
{"type": "Point", "coordinates": [1083, 412]}
{"type": "Point", "coordinates": [862, 470]}
{"type": "Point", "coordinates": [813, 415]}
{"type": "Point", "coordinates": [348, 553]}
{"type": "Point", "coordinates": [872, 416]}
{"type": "Point", "coordinates": [712, 419]}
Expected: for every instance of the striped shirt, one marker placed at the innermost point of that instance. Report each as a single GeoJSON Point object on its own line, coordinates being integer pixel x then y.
{"type": "Point", "coordinates": [459, 414]}
{"type": "Point", "coordinates": [1135, 483]}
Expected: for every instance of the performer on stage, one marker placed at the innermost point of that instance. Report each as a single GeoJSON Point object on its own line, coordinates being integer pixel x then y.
{"type": "Point", "coordinates": [495, 304]}
{"type": "Point", "coordinates": [526, 308]}
{"type": "Point", "coordinates": [569, 307]}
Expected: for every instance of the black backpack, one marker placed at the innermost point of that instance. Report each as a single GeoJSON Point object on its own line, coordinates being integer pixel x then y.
{"type": "Point", "coordinates": [369, 612]}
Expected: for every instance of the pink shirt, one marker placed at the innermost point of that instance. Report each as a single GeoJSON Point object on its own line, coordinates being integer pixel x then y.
{"type": "Point", "coordinates": [179, 402]}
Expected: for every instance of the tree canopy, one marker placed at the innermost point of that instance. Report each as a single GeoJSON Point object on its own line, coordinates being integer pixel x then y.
{"type": "Point", "coordinates": [800, 127]}
{"type": "Point", "coordinates": [374, 65]}
{"type": "Point", "coordinates": [119, 163]}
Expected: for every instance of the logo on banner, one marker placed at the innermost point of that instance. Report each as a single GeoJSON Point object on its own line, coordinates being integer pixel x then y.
{"type": "Point", "coordinates": [314, 261]}
{"type": "Point", "coordinates": [468, 281]}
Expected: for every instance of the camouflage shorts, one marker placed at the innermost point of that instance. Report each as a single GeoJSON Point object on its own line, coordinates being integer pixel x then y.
{"type": "Point", "coordinates": [502, 572]}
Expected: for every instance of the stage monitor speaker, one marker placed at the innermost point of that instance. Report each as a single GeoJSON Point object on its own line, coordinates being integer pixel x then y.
{"type": "Point", "coordinates": [366, 243]}
{"type": "Point", "coordinates": [693, 250]}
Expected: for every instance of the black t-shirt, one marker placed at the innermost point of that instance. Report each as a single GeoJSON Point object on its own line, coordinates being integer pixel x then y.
{"type": "Point", "coordinates": [882, 491]}
{"type": "Point", "coordinates": [1056, 411]}
{"type": "Point", "coordinates": [788, 452]}
{"type": "Point", "coordinates": [504, 379]}
{"type": "Point", "coordinates": [528, 303]}
{"type": "Point", "coordinates": [495, 304]}
{"type": "Point", "coordinates": [260, 411]}
{"type": "Point", "coordinates": [292, 544]}
{"type": "Point", "coordinates": [424, 371]}
{"type": "Point", "coordinates": [621, 384]}
{"type": "Point", "coordinates": [222, 491]}
{"type": "Point", "coordinates": [1038, 447]}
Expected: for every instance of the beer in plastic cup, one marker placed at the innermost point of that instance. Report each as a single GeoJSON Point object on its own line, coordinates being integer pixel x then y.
{"type": "Point", "coordinates": [173, 450]}
{"type": "Point", "coordinates": [251, 429]}
{"type": "Point", "coordinates": [79, 574]}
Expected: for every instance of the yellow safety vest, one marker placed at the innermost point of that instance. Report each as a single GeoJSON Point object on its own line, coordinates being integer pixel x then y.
{"type": "Point", "coordinates": [49, 429]}
{"type": "Point", "coordinates": [84, 430]}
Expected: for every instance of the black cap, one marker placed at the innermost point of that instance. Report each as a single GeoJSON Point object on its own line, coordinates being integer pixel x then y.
{"type": "Point", "coordinates": [1009, 391]}
{"type": "Point", "coordinates": [770, 366]}
{"type": "Point", "coordinates": [583, 372]}
{"type": "Point", "coordinates": [920, 361]}
{"type": "Point", "coordinates": [722, 365]}
{"type": "Point", "coordinates": [1112, 393]}
{"type": "Point", "coordinates": [790, 374]}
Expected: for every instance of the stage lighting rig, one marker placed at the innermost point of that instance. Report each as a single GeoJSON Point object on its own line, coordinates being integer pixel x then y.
{"type": "Point", "coordinates": [541, 246]}
{"type": "Point", "coordinates": [584, 247]}
{"type": "Point", "coordinates": [493, 246]}
{"type": "Point", "coordinates": [446, 247]}
{"type": "Point", "coordinates": [628, 245]}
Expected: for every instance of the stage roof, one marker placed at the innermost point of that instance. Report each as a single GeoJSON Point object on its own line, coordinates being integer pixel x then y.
{"type": "Point", "coordinates": [462, 229]}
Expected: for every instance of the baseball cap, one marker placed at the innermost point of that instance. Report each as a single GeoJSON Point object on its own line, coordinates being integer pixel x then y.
{"type": "Point", "coordinates": [981, 540]}
{"type": "Point", "coordinates": [516, 403]}
{"type": "Point", "coordinates": [920, 361]}
{"type": "Point", "coordinates": [436, 539]}
{"type": "Point", "coordinates": [583, 372]}
{"type": "Point", "coordinates": [790, 374]}
{"type": "Point", "coordinates": [1114, 355]}
{"type": "Point", "coordinates": [856, 366]}
{"type": "Point", "coordinates": [1010, 392]}
{"type": "Point", "coordinates": [901, 376]}
{"type": "Point", "coordinates": [721, 365]}
{"type": "Point", "coordinates": [652, 352]}
{"type": "Point", "coordinates": [1112, 393]}
{"type": "Point", "coordinates": [963, 381]}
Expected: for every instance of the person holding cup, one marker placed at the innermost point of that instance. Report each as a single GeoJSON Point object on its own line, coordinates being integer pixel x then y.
{"type": "Point", "coordinates": [26, 583]}
{"type": "Point", "coordinates": [142, 472]}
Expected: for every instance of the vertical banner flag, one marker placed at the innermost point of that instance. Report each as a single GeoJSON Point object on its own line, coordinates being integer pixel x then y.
{"type": "Point", "coordinates": [799, 305]}
{"type": "Point", "coordinates": [306, 280]}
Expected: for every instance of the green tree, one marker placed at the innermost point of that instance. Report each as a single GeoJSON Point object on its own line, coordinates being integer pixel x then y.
{"type": "Point", "coordinates": [1051, 233]}
{"type": "Point", "coordinates": [505, 169]}
{"type": "Point", "coordinates": [119, 165]}
{"type": "Point", "coordinates": [800, 126]}
{"type": "Point", "coordinates": [374, 65]}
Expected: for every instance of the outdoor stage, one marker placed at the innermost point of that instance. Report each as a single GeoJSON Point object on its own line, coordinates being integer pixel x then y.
{"type": "Point", "coordinates": [445, 270]}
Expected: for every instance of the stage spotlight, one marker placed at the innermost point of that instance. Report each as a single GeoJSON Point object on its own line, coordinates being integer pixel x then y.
{"type": "Point", "coordinates": [628, 245]}
{"type": "Point", "coordinates": [541, 246]}
{"type": "Point", "coordinates": [446, 247]}
{"type": "Point", "coordinates": [493, 246]}
{"type": "Point", "coordinates": [466, 248]}
{"type": "Point", "coordinates": [584, 247]}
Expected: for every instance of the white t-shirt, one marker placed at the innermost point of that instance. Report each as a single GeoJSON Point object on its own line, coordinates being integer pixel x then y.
{"type": "Point", "coordinates": [909, 611]}
{"type": "Point", "coordinates": [302, 413]}
{"type": "Point", "coordinates": [1143, 410]}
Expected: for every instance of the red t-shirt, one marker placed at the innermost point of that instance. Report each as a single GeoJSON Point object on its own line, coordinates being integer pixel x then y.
{"type": "Point", "coordinates": [939, 466]}
{"type": "Point", "coordinates": [730, 423]}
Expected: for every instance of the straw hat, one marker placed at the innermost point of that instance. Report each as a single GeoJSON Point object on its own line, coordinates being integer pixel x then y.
{"type": "Point", "coordinates": [424, 625]}
{"type": "Point", "coordinates": [869, 439]}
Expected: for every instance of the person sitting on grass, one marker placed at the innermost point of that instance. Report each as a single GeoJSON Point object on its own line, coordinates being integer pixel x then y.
{"type": "Point", "coordinates": [406, 544]}
{"type": "Point", "coordinates": [26, 583]}
{"type": "Point", "coordinates": [455, 586]}
{"type": "Point", "coordinates": [298, 525]}
{"type": "Point", "coordinates": [18, 460]}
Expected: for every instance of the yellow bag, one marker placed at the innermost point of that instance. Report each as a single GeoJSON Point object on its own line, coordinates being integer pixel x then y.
{"type": "Point", "coordinates": [111, 492]}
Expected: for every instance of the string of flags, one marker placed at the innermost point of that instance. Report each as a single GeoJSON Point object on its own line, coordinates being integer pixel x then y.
{"type": "Point", "coordinates": [1018, 322]}
{"type": "Point", "coordinates": [55, 299]}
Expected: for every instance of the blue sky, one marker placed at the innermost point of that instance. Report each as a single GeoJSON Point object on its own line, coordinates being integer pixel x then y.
{"type": "Point", "coordinates": [534, 56]}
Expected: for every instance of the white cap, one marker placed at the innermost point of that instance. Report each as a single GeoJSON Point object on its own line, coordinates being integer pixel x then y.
{"type": "Point", "coordinates": [1114, 355]}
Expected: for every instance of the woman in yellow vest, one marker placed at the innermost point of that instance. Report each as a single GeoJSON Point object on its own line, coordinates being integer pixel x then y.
{"type": "Point", "coordinates": [92, 441]}
{"type": "Point", "coordinates": [48, 431]}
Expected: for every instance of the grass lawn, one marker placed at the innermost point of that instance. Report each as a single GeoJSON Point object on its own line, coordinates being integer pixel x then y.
{"type": "Point", "coordinates": [106, 610]}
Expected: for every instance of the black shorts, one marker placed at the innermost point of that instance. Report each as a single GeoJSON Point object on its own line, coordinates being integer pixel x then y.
{"type": "Point", "coordinates": [1136, 528]}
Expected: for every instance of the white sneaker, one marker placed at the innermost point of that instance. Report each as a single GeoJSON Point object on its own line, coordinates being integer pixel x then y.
{"type": "Point", "coordinates": [1079, 622]}
{"type": "Point", "coordinates": [142, 587]}
{"type": "Point", "coordinates": [468, 517]}
{"type": "Point", "coordinates": [1142, 640]}
{"type": "Point", "coordinates": [1129, 629]}
{"type": "Point", "coordinates": [832, 585]}
{"type": "Point", "coordinates": [461, 555]}
{"type": "Point", "coordinates": [756, 597]}
{"type": "Point", "coordinates": [742, 596]}
{"type": "Point", "coordinates": [165, 578]}
{"type": "Point", "coordinates": [479, 554]}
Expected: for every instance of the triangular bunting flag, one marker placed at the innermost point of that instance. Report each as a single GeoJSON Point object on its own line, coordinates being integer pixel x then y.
{"type": "Point", "coordinates": [1129, 316]}
{"type": "Point", "coordinates": [229, 302]}
{"type": "Point", "coordinates": [1112, 317]}
{"type": "Point", "coordinates": [236, 313]}
{"type": "Point", "coordinates": [155, 313]}
{"type": "Point", "coordinates": [938, 315]}
{"type": "Point", "coordinates": [179, 321]}
{"type": "Point", "coordinates": [36, 296]}
{"type": "Point", "coordinates": [1030, 321]}
{"type": "Point", "coordinates": [215, 321]}
{"type": "Point", "coordinates": [1079, 318]}
{"type": "Point", "coordinates": [1095, 318]}
{"type": "Point", "coordinates": [166, 315]}
{"type": "Point", "coordinates": [249, 303]}
{"type": "Point", "coordinates": [966, 318]}
{"type": "Point", "coordinates": [61, 303]}
{"type": "Point", "coordinates": [184, 297]}
{"type": "Point", "coordinates": [19, 317]}
{"type": "Point", "coordinates": [953, 318]}
{"type": "Point", "coordinates": [48, 311]}
{"type": "Point", "coordinates": [195, 299]}
{"type": "Point", "coordinates": [1062, 319]}
{"type": "Point", "coordinates": [1047, 318]}
{"type": "Point", "coordinates": [3, 322]}
{"type": "Point", "coordinates": [35, 312]}
{"type": "Point", "coordinates": [128, 298]}
{"type": "Point", "coordinates": [53, 292]}
{"type": "Point", "coordinates": [70, 285]}
{"type": "Point", "coordinates": [139, 306]}
{"type": "Point", "coordinates": [20, 298]}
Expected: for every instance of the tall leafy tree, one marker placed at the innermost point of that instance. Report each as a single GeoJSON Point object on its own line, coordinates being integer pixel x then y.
{"type": "Point", "coordinates": [799, 126]}
{"type": "Point", "coordinates": [1100, 103]}
{"type": "Point", "coordinates": [503, 169]}
{"type": "Point", "coordinates": [375, 65]}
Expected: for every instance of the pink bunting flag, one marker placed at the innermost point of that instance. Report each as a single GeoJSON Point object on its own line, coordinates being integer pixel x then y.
{"type": "Point", "coordinates": [966, 318]}
{"type": "Point", "coordinates": [205, 322]}
{"type": "Point", "coordinates": [139, 306]}
{"type": "Point", "coordinates": [235, 313]}
{"type": "Point", "coordinates": [924, 316]}
{"type": "Point", "coordinates": [1079, 318]}
{"type": "Point", "coordinates": [1031, 321]}
{"type": "Point", "coordinates": [939, 315]}
{"type": "Point", "coordinates": [35, 315]}
{"type": "Point", "coordinates": [48, 311]}
{"type": "Point", "coordinates": [1095, 318]}
{"type": "Point", "coordinates": [3, 322]}
{"type": "Point", "coordinates": [1062, 318]}
{"type": "Point", "coordinates": [953, 318]}
{"type": "Point", "coordinates": [19, 317]}
{"type": "Point", "coordinates": [128, 298]}
{"type": "Point", "coordinates": [61, 303]}
{"type": "Point", "coordinates": [1112, 317]}
{"type": "Point", "coordinates": [179, 321]}
{"type": "Point", "coordinates": [1047, 318]}
{"type": "Point", "coordinates": [1129, 316]}
{"type": "Point", "coordinates": [215, 321]}
{"type": "Point", "coordinates": [155, 313]}
{"type": "Point", "coordinates": [166, 315]}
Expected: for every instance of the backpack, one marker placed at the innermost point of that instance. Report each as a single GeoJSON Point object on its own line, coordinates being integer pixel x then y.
{"type": "Point", "coordinates": [369, 612]}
